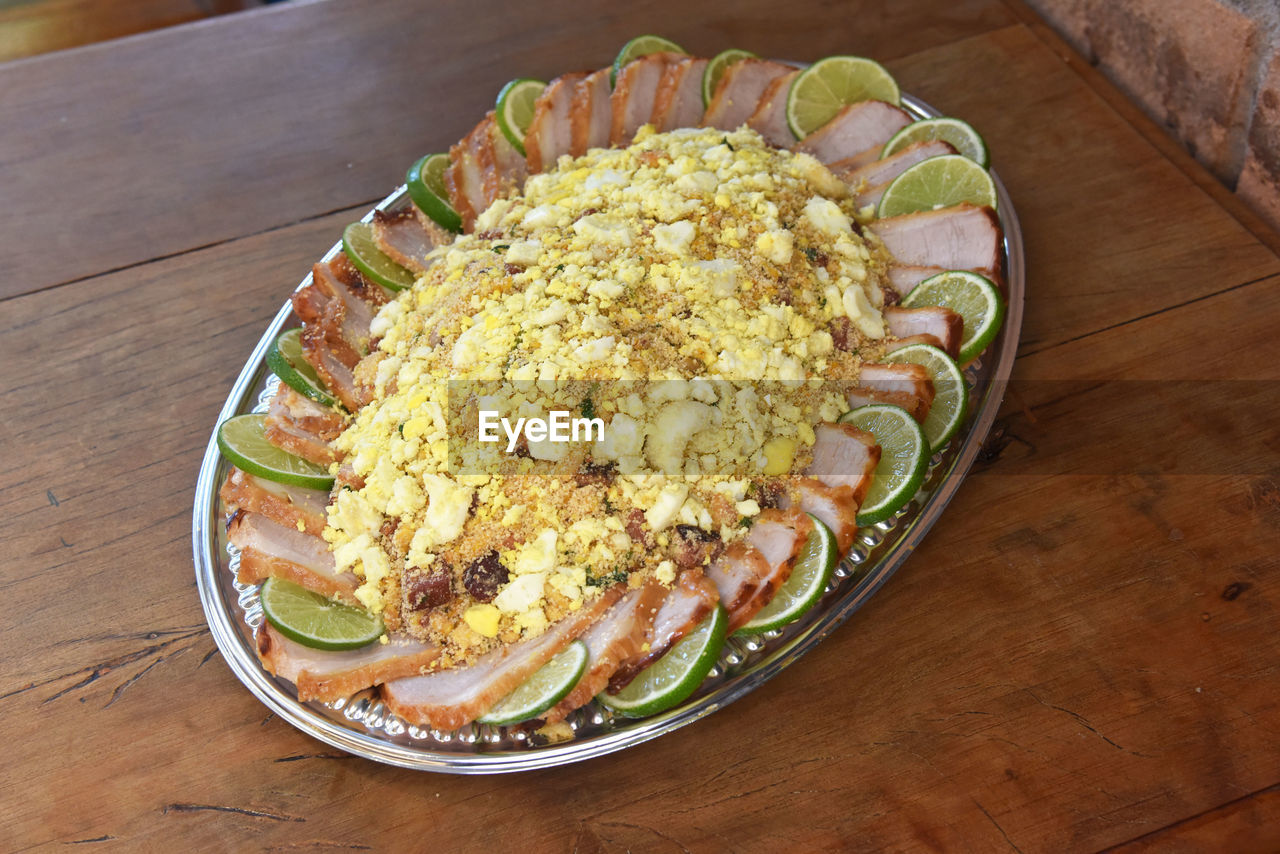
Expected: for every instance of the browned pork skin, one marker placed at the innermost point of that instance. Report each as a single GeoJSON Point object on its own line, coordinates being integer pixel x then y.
{"type": "Point", "coordinates": [270, 550]}
{"type": "Point", "coordinates": [962, 237]}
{"type": "Point", "coordinates": [739, 90]}
{"type": "Point", "coordinates": [635, 93]}
{"type": "Point", "coordinates": [290, 506]}
{"type": "Point", "coordinates": [751, 570]}
{"type": "Point", "coordinates": [905, 385]}
{"type": "Point", "coordinates": [328, 675]}
{"type": "Point", "coordinates": [834, 506]}
{"type": "Point", "coordinates": [302, 427]}
{"type": "Point", "coordinates": [678, 101]}
{"type": "Point", "coordinates": [769, 119]}
{"type": "Point", "coordinates": [690, 601]}
{"type": "Point", "coordinates": [455, 696]}
{"type": "Point", "coordinates": [854, 130]}
{"type": "Point", "coordinates": [943, 325]}
{"type": "Point", "coordinates": [844, 456]}
{"type": "Point", "coordinates": [403, 239]}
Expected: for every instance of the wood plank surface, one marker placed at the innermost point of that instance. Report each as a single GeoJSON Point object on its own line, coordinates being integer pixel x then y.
{"type": "Point", "coordinates": [1082, 655]}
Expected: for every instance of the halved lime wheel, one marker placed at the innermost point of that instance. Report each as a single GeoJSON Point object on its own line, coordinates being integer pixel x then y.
{"type": "Point", "coordinates": [715, 70]}
{"type": "Point", "coordinates": [973, 297]}
{"type": "Point", "coordinates": [818, 92]}
{"type": "Point", "coordinates": [286, 362]}
{"type": "Point", "coordinates": [960, 134]}
{"type": "Point", "coordinates": [938, 182]}
{"type": "Point", "coordinates": [549, 685]}
{"type": "Point", "coordinates": [242, 440]}
{"type": "Point", "coordinates": [671, 679]}
{"type": "Point", "coordinates": [805, 585]}
{"type": "Point", "coordinates": [904, 459]}
{"type": "Point", "coordinates": [362, 250]}
{"type": "Point", "coordinates": [425, 182]}
{"type": "Point", "coordinates": [638, 47]}
{"type": "Point", "coordinates": [950, 391]}
{"type": "Point", "coordinates": [514, 112]}
{"type": "Point", "coordinates": [314, 621]}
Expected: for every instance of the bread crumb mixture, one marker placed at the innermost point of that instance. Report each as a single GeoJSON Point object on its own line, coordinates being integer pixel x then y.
{"type": "Point", "coordinates": [685, 291]}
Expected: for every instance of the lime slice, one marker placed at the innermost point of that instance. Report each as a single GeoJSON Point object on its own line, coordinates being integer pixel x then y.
{"type": "Point", "coordinates": [715, 70]}
{"type": "Point", "coordinates": [515, 109]}
{"type": "Point", "coordinates": [960, 134]}
{"type": "Point", "coordinates": [819, 91]}
{"type": "Point", "coordinates": [671, 679]}
{"type": "Point", "coordinates": [242, 441]}
{"type": "Point", "coordinates": [553, 681]}
{"type": "Point", "coordinates": [805, 585]}
{"type": "Point", "coordinates": [638, 47]}
{"type": "Point", "coordinates": [286, 362]}
{"type": "Point", "coordinates": [950, 391]}
{"type": "Point", "coordinates": [362, 250]}
{"type": "Point", "coordinates": [904, 459]}
{"type": "Point", "coordinates": [971, 296]}
{"type": "Point", "coordinates": [425, 181]}
{"type": "Point", "coordinates": [314, 621]}
{"type": "Point", "coordinates": [938, 182]}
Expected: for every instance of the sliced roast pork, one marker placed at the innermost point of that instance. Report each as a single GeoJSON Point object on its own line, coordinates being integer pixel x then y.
{"type": "Point", "coordinates": [470, 161]}
{"type": "Point", "coordinates": [301, 426]}
{"type": "Point", "coordinates": [834, 506]}
{"type": "Point", "coordinates": [769, 119]}
{"type": "Point", "coordinates": [739, 90]}
{"type": "Point", "coordinates": [678, 102]}
{"type": "Point", "coordinates": [450, 698]}
{"type": "Point", "coordinates": [750, 571]}
{"type": "Point", "coordinates": [508, 170]}
{"type": "Point", "coordinates": [884, 171]}
{"type": "Point", "coordinates": [904, 278]}
{"type": "Point", "coordinates": [328, 675]}
{"type": "Point", "coordinates": [403, 239]}
{"type": "Point", "coordinates": [856, 161]}
{"type": "Point", "coordinates": [963, 237]}
{"type": "Point", "coordinates": [271, 550]}
{"type": "Point", "coordinates": [844, 456]}
{"type": "Point", "coordinates": [590, 114]}
{"type": "Point", "coordinates": [550, 131]}
{"type": "Point", "coordinates": [321, 352]}
{"type": "Point", "coordinates": [944, 326]}
{"type": "Point", "coordinates": [635, 92]}
{"type": "Point", "coordinates": [854, 130]}
{"type": "Point", "coordinates": [291, 506]}
{"type": "Point", "coordinates": [905, 385]}
{"type": "Point", "coordinates": [690, 601]}
{"type": "Point", "coordinates": [619, 635]}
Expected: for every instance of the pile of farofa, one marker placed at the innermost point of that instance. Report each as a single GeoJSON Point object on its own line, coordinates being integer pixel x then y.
{"type": "Point", "coordinates": [708, 272]}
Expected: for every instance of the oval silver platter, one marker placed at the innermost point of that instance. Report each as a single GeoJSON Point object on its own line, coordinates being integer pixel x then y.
{"type": "Point", "coordinates": [362, 725]}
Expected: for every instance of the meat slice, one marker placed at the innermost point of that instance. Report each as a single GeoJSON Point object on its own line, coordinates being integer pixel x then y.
{"type": "Point", "coordinates": [884, 171]}
{"type": "Point", "coordinates": [271, 550]}
{"type": "Point", "coordinates": [635, 93]}
{"type": "Point", "coordinates": [769, 119]}
{"type": "Point", "coordinates": [905, 385]}
{"type": "Point", "coordinates": [688, 603]}
{"type": "Point", "coordinates": [904, 278]}
{"type": "Point", "coordinates": [678, 102]}
{"type": "Point", "coordinates": [752, 570]}
{"type": "Point", "coordinates": [301, 426]}
{"type": "Point", "coordinates": [943, 325]}
{"type": "Point", "coordinates": [590, 113]}
{"type": "Point", "coordinates": [619, 635]}
{"type": "Point", "coordinates": [844, 456]}
{"type": "Point", "coordinates": [448, 699]}
{"type": "Point", "coordinates": [962, 237]}
{"type": "Point", "coordinates": [739, 90]}
{"type": "Point", "coordinates": [509, 168]}
{"type": "Point", "coordinates": [854, 130]}
{"type": "Point", "coordinates": [834, 506]}
{"type": "Point", "coordinates": [340, 304]}
{"type": "Point", "coordinates": [863, 158]}
{"type": "Point", "coordinates": [550, 132]}
{"type": "Point", "coordinates": [291, 506]}
{"type": "Point", "coordinates": [320, 352]}
{"type": "Point", "coordinates": [470, 160]}
{"type": "Point", "coordinates": [403, 239]}
{"type": "Point", "coordinates": [328, 675]}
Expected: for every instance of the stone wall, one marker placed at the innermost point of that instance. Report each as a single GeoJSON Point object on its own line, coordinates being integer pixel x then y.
{"type": "Point", "coordinates": [1207, 70]}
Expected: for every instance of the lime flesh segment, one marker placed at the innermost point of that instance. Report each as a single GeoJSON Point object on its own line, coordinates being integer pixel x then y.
{"type": "Point", "coordinates": [960, 134]}
{"type": "Point", "coordinates": [804, 587]}
{"type": "Point", "coordinates": [638, 47]}
{"type": "Point", "coordinates": [286, 362]}
{"type": "Point", "coordinates": [973, 297]}
{"type": "Point", "coordinates": [425, 182]}
{"type": "Point", "coordinates": [938, 182]}
{"type": "Point", "coordinates": [515, 109]}
{"type": "Point", "coordinates": [950, 391]}
{"type": "Point", "coordinates": [818, 92]}
{"type": "Point", "coordinates": [362, 250]}
{"type": "Point", "coordinates": [671, 679]}
{"type": "Point", "coordinates": [314, 621]}
{"type": "Point", "coordinates": [548, 686]}
{"type": "Point", "coordinates": [904, 459]}
{"type": "Point", "coordinates": [242, 440]}
{"type": "Point", "coordinates": [715, 70]}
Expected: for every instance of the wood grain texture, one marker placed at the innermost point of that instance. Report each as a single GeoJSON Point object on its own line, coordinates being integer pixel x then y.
{"type": "Point", "coordinates": [1082, 655]}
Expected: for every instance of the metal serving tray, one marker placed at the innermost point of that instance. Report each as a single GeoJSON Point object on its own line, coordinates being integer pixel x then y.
{"type": "Point", "coordinates": [362, 725]}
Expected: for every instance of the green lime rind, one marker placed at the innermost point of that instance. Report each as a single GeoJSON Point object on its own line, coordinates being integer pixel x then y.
{"type": "Point", "coordinates": [939, 182]}
{"type": "Point", "coordinates": [286, 362]}
{"type": "Point", "coordinates": [959, 134]}
{"type": "Point", "coordinates": [362, 251]}
{"type": "Point", "coordinates": [950, 391]}
{"type": "Point", "coordinates": [549, 685]}
{"type": "Point", "coordinates": [243, 441]}
{"type": "Point", "coordinates": [514, 110]}
{"type": "Point", "coordinates": [975, 298]}
{"type": "Point", "coordinates": [804, 587]}
{"type": "Point", "coordinates": [904, 459]}
{"type": "Point", "coordinates": [715, 70]}
{"type": "Point", "coordinates": [822, 89]}
{"type": "Point", "coordinates": [425, 182]}
{"type": "Point", "coordinates": [671, 679]}
{"type": "Point", "coordinates": [638, 47]}
{"type": "Point", "coordinates": [315, 621]}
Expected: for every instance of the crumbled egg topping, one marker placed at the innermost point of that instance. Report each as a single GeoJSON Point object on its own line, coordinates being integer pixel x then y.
{"type": "Point", "coordinates": [702, 269]}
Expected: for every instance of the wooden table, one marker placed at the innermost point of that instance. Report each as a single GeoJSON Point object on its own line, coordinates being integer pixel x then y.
{"type": "Point", "coordinates": [1084, 654]}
